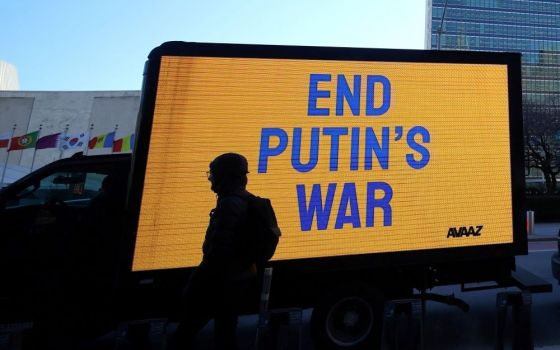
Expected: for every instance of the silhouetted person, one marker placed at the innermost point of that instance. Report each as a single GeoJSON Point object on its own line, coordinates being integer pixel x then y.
{"type": "Point", "coordinates": [223, 278]}
{"type": "Point", "coordinates": [105, 231]}
{"type": "Point", "coordinates": [75, 303]}
{"type": "Point", "coordinates": [93, 256]}
{"type": "Point", "coordinates": [111, 196]}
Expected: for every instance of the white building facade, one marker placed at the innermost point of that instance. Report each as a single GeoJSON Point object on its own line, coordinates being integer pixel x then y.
{"type": "Point", "coordinates": [67, 113]}
{"type": "Point", "coordinates": [8, 77]}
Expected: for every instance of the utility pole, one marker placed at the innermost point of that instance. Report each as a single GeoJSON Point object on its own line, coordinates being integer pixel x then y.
{"type": "Point", "coordinates": [440, 29]}
{"type": "Point", "coordinates": [61, 140]}
{"type": "Point", "coordinates": [35, 148]}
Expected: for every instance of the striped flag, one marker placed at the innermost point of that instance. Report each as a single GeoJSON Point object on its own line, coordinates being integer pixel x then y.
{"type": "Point", "coordinates": [5, 139]}
{"type": "Point", "coordinates": [124, 144]}
{"type": "Point", "coordinates": [102, 141]}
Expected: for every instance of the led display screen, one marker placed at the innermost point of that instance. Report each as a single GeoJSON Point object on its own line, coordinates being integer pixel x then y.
{"type": "Point", "coordinates": [357, 157]}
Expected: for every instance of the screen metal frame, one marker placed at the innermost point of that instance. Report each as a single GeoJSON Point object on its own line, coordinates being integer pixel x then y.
{"type": "Point", "coordinates": [428, 256]}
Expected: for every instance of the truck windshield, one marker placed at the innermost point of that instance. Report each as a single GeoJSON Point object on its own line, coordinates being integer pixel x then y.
{"type": "Point", "coordinates": [72, 188]}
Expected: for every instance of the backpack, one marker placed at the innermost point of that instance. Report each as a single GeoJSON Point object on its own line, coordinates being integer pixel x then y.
{"type": "Point", "coordinates": [262, 232]}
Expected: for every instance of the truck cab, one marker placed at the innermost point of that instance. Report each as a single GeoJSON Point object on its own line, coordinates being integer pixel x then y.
{"type": "Point", "coordinates": [60, 238]}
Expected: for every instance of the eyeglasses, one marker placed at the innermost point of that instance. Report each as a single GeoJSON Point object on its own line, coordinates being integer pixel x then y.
{"type": "Point", "coordinates": [209, 175]}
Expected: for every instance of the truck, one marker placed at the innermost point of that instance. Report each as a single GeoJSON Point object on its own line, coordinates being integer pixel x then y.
{"type": "Point", "coordinates": [391, 172]}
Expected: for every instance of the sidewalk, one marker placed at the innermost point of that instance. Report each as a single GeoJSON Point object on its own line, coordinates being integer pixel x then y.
{"type": "Point", "coordinates": [545, 231]}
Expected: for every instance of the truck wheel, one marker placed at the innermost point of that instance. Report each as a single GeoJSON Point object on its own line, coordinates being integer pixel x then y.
{"type": "Point", "coordinates": [349, 319]}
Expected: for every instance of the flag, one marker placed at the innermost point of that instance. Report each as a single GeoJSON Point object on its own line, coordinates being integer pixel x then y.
{"type": "Point", "coordinates": [92, 142]}
{"type": "Point", "coordinates": [49, 141]}
{"type": "Point", "coordinates": [102, 141]}
{"type": "Point", "coordinates": [109, 140]}
{"type": "Point", "coordinates": [24, 141]}
{"type": "Point", "coordinates": [73, 141]}
{"type": "Point", "coordinates": [5, 139]}
{"type": "Point", "coordinates": [124, 145]}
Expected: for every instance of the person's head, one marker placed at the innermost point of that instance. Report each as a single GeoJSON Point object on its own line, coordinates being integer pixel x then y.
{"type": "Point", "coordinates": [114, 184]}
{"type": "Point", "coordinates": [228, 173]}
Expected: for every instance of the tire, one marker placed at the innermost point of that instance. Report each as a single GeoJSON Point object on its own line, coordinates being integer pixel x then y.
{"type": "Point", "coordinates": [349, 319]}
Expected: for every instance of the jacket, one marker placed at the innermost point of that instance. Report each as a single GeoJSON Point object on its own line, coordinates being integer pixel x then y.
{"type": "Point", "coordinates": [223, 243]}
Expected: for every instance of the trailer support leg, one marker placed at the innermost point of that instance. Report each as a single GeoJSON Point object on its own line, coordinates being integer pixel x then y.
{"type": "Point", "coordinates": [404, 324]}
{"type": "Point", "coordinates": [520, 303]}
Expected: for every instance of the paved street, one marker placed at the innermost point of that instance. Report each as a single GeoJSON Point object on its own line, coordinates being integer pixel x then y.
{"type": "Point", "coordinates": [450, 328]}
{"type": "Point", "coordinates": [447, 327]}
{"type": "Point", "coordinates": [545, 230]}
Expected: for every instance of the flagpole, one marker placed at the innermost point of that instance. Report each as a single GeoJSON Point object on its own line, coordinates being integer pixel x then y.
{"type": "Point", "coordinates": [35, 148]}
{"type": "Point", "coordinates": [90, 132]}
{"type": "Point", "coordinates": [63, 137]}
{"type": "Point", "coordinates": [8, 153]}
{"type": "Point", "coordinates": [114, 136]}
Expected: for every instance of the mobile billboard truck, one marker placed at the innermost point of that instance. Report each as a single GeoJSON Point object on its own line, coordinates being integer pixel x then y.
{"type": "Point", "coordinates": [389, 170]}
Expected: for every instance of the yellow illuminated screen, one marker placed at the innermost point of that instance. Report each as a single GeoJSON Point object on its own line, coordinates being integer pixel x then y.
{"type": "Point", "coordinates": [357, 157]}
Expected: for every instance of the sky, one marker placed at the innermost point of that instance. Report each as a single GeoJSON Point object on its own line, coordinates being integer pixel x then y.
{"type": "Point", "coordinates": [82, 45]}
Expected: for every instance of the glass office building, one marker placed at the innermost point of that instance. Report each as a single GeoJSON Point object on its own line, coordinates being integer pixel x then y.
{"type": "Point", "coordinates": [531, 27]}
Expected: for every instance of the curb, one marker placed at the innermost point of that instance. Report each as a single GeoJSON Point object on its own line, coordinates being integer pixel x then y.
{"type": "Point", "coordinates": [534, 238]}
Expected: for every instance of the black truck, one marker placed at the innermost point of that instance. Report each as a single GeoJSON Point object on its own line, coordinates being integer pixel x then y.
{"type": "Point", "coordinates": [420, 152]}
